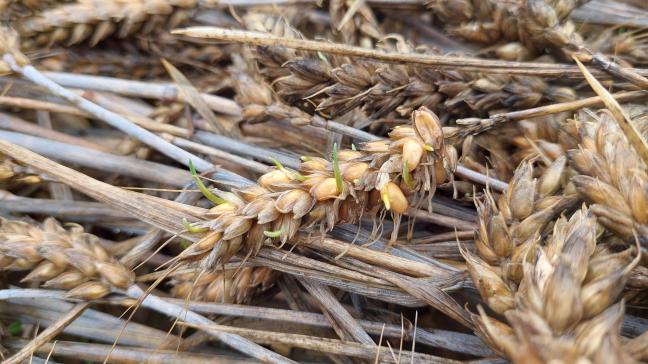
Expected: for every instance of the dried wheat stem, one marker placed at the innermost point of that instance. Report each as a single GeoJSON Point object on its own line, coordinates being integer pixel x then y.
{"type": "Point", "coordinates": [123, 354]}
{"type": "Point", "coordinates": [231, 339]}
{"type": "Point", "coordinates": [474, 126]}
{"type": "Point", "coordinates": [109, 117]}
{"type": "Point", "coordinates": [347, 348]}
{"type": "Point", "coordinates": [127, 166]}
{"type": "Point", "coordinates": [459, 63]}
{"type": "Point", "coordinates": [164, 91]}
{"type": "Point", "coordinates": [10, 122]}
{"type": "Point", "coordinates": [47, 334]}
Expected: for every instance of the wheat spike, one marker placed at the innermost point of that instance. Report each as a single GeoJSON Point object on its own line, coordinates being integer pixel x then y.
{"type": "Point", "coordinates": [381, 176]}
{"type": "Point", "coordinates": [510, 230]}
{"type": "Point", "coordinates": [522, 28]}
{"type": "Point", "coordinates": [381, 89]}
{"type": "Point", "coordinates": [566, 306]}
{"type": "Point", "coordinates": [66, 259]}
{"type": "Point", "coordinates": [95, 20]}
{"type": "Point", "coordinates": [612, 176]}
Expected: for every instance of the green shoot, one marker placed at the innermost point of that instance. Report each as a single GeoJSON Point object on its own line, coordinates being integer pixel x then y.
{"type": "Point", "coordinates": [184, 244]}
{"type": "Point", "coordinates": [277, 163]}
{"type": "Point", "coordinates": [201, 186]}
{"type": "Point", "coordinates": [15, 328]}
{"type": "Point", "coordinates": [406, 175]}
{"type": "Point", "coordinates": [293, 174]}
{"type": "Point", "coordinates": [193, 229]}
{"type": "Point", "coordinates": [273, 234]}
{"type": "Point", "coordinates": [336, 168]}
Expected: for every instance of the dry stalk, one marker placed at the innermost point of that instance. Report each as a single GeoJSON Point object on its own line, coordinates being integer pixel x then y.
{"type": "Point", "coordinates": [15, 61]}
{"type": "Point", "coordinates": [566, 308]}
{"type": "Point", "coordinates": [468, 64]}
{"type": "Point", "coordinates": [65, 259]}
{"type": "Point", "coordinates": [48, 334]}
{"type": "Point", "coordinates": [96, 20]}
{"type": "Point", "coordinates": [473, 126]}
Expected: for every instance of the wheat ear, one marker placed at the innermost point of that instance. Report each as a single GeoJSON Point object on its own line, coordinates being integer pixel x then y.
{"type": "Point", "coordinates": [95, 20]}
{"type": "Point", "coordinates": [66, 259]}
{"type": "Point", "coordinates": [566, 308]}
{"type": "Point", "coordinates": [385, 176]}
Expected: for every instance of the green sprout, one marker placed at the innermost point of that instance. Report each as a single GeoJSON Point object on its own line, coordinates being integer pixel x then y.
{"type": "Point", "coordinates": [280, 167]}
{"type": "Point", "coordinates": [15, 328]}
{"type": "Point", "coordinates": [273, 234]}
{"type": "Point", "coordinates": [201, 186]}
{"type": "Point", "coordinates": [184, 244]}
{"type": "Point", "coordinates": [406, 175]}
{"type": "Point", "coordinates": [193, 229]}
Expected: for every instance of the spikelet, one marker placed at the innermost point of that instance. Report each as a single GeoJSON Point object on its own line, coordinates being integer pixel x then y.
{"type": "Point", "coordinates": [13, 10]}
{"type": "Point", "coordinates": [12, 173]}
{"type": "Point", "coordinates": [360, 28]}
{"type": "Point", "coordinates": [511, 228]}
{"type": "Point", "coordinates": [228, 287]}
{"type": "Point", "coordinates": [58, 258]}
{"type": "Point", "coordinates": [95, 20]}
{"type": "Point", "coordinates": [567, 307]}
{"type": "Point", "coordinates": [506, 147]}
{"type": "Point", "coordinates": [612, 177]}
{"type": "Point", "coordinates": [523, 28]}
{"type": "Point", "coordinates": [381, 176]}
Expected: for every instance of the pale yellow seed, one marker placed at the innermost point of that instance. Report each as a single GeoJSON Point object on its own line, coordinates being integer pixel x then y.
{"type": "Point", "coordinates": [394, 198]}
{"type": "Point", "coordinates": [325, 190]}
{"type": "Point", "coordinates": [354, 171]}
{"type": "Point", "coordinates": [412, 153]}
{"type": "Point", "coordinates": [273, 178]}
